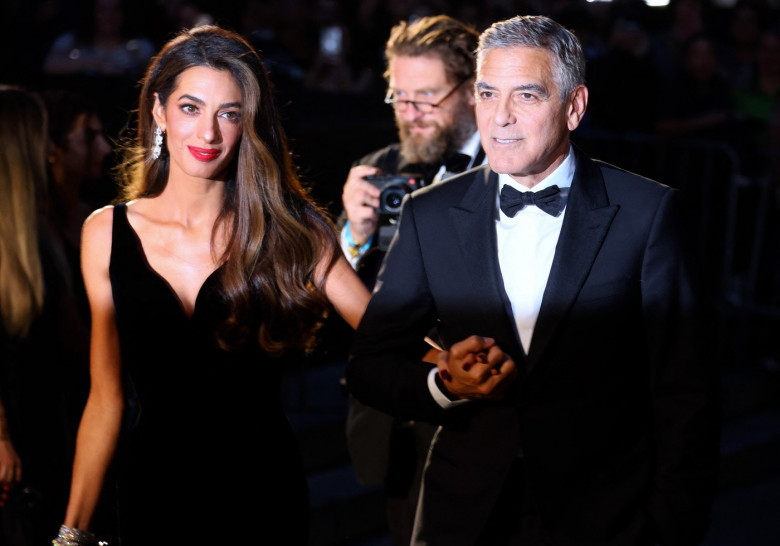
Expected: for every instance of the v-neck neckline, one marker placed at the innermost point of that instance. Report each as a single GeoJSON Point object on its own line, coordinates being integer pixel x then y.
{"type": "Point", "coordinates": [163, 280]}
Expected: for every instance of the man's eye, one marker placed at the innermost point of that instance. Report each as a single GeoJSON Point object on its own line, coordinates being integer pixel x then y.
{"type": "Point", "coordinates": [527, 97]}
{"type": "Point", "coordinates": [485, 95]}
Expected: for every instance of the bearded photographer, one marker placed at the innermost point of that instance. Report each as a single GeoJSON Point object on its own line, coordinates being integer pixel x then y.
{"type": "Point", "coordinates": [430, 76]}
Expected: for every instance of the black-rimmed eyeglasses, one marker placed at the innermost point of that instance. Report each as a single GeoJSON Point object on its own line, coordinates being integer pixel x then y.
{"type": "Point", "coordinates": [422, 107]}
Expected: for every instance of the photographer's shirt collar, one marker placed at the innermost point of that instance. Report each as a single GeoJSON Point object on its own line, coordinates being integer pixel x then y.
{"type": "Point", "coordinates": [471, 148]}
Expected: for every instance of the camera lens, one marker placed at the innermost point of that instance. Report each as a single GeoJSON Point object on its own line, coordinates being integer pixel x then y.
{"type": "Point", "coordinates": [392, 198]}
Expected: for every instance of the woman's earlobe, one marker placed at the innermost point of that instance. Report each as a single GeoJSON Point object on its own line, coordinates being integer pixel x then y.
{"type": "Point", "coordinates": [158, 112]}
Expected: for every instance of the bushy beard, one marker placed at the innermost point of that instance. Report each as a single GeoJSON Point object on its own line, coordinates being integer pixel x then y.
{"type": "Point", "coordinates": [444, 139]}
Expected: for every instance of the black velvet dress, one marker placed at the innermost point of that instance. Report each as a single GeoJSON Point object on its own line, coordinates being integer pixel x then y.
{"type": "Point", "coordinates": [207, 454]}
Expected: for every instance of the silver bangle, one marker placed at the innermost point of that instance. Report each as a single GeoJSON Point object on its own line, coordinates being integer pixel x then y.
{"type": "Point", "coordinates": [70, 536]}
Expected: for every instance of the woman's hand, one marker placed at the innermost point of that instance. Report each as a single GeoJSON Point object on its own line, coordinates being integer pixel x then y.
{"type": "Point", "coordinates": [10, 463]}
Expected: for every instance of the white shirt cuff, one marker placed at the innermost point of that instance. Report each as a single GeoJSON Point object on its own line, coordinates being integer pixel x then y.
{"type": "Point", "coordinates": [439, 396]}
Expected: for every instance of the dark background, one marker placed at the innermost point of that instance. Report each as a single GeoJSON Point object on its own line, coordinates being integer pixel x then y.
{"type": "Point", "coordinates": [333, 111]}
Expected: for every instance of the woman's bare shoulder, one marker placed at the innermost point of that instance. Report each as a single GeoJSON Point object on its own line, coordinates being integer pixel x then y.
{"type": "Point", "coordinates": [97, 228]}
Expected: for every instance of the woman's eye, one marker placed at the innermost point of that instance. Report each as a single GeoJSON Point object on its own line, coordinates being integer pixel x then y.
{"type": "Point", "coordinates": [232, 116]}
{"type": "Point", "coordinates": [189, 108]}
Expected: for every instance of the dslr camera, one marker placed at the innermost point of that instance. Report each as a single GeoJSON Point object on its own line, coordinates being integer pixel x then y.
{"type": "Point", "coordinates": [394, 187]}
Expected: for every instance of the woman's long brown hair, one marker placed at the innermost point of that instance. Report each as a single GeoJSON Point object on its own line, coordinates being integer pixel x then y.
{"type": "Point", "coordinates": [277, 235]}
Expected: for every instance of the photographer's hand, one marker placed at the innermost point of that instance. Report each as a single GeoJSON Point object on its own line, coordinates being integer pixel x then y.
{"type": "Point", "coordinates": [361, 199]}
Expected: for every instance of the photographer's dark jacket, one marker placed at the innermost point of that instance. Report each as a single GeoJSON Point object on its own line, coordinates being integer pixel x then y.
{"type": "Point", "coordinates": [390, 160]}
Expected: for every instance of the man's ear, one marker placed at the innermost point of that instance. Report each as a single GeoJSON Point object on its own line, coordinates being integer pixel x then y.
{"type": "Point", "coordinates": [472, 100]}
{"type": "Point", "coordinates": [575, 109]}
{"type": "Point", "coordinates": [158, 112]}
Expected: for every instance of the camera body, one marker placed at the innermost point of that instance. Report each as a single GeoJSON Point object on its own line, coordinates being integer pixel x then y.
{"type": "Point", "coordinates": [393, 189]}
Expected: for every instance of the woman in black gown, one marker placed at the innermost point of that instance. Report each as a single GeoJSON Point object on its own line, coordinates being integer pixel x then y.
{"type": "Point", "coordinates": [215, 265]}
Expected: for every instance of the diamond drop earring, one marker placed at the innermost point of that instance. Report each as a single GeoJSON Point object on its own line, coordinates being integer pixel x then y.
{"type": "Point", "coordinates": [158, 140]}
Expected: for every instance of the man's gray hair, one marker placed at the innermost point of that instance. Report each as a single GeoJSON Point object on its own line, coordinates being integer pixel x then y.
{"type": "Point", "coordinates": [543, 33]}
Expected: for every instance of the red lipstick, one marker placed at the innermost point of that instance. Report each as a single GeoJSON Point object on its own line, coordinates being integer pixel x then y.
{"type": "Point", "coordinates": [203, 154]}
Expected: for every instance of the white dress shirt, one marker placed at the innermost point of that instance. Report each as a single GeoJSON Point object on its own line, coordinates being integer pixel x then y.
{"type": "Point", "coordinates": [526, 247]}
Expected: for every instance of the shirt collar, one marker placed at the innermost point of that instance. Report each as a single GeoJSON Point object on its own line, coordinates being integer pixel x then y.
{"type": "Point", "coordinates": [471, 148]}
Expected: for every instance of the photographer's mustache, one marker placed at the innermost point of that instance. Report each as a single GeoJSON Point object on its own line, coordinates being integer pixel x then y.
{"type": "Point", "coordinates": [420, 124]}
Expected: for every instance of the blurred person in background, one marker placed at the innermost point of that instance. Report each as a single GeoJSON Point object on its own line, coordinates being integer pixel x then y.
{"type": "Point", "coordinates": [758, 104]}
{"type": "Point", "coordinates": [42, 359]}
{"type": "Point", "coordinates": [103, 43]}
{"type": "Point", "coordinates": [77, 164]}
{"type": "Point", "coordinates": [430, 69]}
{"type": "Point", "coordinates": [702, 106]}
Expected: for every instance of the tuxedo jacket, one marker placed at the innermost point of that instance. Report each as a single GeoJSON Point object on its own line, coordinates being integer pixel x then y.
{"type": "Point", "coordinates": [614, 411]}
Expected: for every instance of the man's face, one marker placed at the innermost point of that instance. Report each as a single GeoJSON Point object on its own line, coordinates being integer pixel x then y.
{"type": "Point", "coordinates": [524, 126]}
{"type": "Point", "coordinates": [426, 137]}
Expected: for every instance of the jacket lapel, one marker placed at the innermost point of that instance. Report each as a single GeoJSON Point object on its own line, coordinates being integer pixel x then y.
{"type": "Point", "coordinates": [587, 221]}
{"type": "Point", "coordinates": [473, 222]}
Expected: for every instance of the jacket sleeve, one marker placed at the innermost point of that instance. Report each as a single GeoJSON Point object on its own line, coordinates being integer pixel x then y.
{"type": "Point", "coordinates": [384, 370]}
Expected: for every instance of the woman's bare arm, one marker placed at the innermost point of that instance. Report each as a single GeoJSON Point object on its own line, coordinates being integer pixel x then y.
{"type": "Point", "coordinates": [100, 423]}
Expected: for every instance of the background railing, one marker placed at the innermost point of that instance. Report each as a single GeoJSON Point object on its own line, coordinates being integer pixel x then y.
{"type": "Point", "coordinates": [728, 222]}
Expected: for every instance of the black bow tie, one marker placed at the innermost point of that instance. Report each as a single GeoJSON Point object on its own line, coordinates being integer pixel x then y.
{"type": "Point", "coordinates": [548, 199]}
{"type": "Point", "coordinates": [456, 162]}
{"type": "Point", "coordinates": [425, 170]}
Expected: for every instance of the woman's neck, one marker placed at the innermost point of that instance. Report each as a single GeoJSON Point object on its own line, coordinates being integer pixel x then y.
{"type": "Point", "coordinates": [192, 201]}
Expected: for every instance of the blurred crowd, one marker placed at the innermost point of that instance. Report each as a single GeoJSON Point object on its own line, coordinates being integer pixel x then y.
{"type": "Point", "coordinates": [691, 69]}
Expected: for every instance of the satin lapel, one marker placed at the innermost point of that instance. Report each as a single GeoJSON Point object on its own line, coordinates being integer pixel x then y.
{"type": "Point", "coordinates": [473, 222]}
{"type": "Point", "coordinates": [586, 224]}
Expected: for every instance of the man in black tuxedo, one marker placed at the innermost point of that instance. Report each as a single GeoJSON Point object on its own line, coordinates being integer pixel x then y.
{"type": "Point", "coordinates": [430, 77]}
{"type": "Point", "coordinates": [574, 403]}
